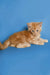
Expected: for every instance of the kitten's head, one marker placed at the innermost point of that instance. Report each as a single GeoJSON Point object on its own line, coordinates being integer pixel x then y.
{"type": "Point", "coordinates": [35, 28]}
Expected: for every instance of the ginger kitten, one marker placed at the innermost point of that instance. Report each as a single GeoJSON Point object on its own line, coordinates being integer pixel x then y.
{"type": "Point", "coordinates": [25, 38]}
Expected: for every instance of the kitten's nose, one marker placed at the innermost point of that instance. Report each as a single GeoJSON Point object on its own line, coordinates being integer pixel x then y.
{"type": "Point", "coordinates": [34, 34]}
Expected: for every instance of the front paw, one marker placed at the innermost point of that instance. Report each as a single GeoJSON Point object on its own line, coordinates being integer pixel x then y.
{"type": "Point", "coordinates": [45, 40]}
{"type": "Point", "coordinates": [41, 43]}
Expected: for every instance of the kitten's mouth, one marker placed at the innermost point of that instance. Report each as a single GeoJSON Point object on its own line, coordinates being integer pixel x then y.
{"type": "Point", "coordinates": [35, 35]}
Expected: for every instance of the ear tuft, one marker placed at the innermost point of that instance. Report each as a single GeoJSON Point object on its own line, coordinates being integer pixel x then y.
{"type": "Point", "coordinates": [40, 24]}
{"type": "Point", "coordinates": [29, 25]}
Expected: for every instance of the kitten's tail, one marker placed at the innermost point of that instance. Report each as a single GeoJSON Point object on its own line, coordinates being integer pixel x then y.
{"type": "Point", "coordinates": [4, 45]}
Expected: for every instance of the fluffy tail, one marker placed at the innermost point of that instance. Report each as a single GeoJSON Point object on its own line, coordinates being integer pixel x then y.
{"type": "Point", "coordinates": [4, 45]}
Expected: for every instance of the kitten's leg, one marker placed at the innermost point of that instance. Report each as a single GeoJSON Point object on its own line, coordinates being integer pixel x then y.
{"type": "Point", "coordinates": [37, 42]}
{"type": "Point", "coordinates": [12, 45]}
{"type": "Point", "coordinates": [4, 45]}
{"type": "Point", "coordinates": [23, 45]}
{"type": "Point", "coordinates": [40, 41]}
{"type": "Point", "coordinates": [43, 40]}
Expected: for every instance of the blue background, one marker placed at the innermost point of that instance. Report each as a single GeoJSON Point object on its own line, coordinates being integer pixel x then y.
{"type": "Point", "coordinates": [14, 14]}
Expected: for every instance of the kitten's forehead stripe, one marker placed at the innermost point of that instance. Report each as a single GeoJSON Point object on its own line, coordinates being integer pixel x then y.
{"type": "Point", "coordinates": [34, 25]}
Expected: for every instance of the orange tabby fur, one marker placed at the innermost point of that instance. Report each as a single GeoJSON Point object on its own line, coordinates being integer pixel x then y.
{"type": "Point", "coordinates": [25, 38]}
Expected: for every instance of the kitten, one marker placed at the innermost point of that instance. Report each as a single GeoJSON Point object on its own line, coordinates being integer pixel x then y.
{"type": "Point", "coordinates": [25, 38]}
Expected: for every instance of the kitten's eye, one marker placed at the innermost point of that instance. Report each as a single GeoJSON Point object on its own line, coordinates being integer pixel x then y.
{"type": "Point", "coordinates": [37, 30]}
{"type": "Point", "coordinates": [32, 30]}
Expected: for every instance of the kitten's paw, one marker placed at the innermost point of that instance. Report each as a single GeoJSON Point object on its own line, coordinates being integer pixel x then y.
{"type": "Point", "coordinates": [41, 44]}
{"type": "Point", "coordinates": [45, 40]}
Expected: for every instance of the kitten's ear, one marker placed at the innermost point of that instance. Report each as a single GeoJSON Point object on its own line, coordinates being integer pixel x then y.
{"type": "Point", "coordinates": [29, 25]}
{"type": "Point", "coordinates": [40, 24]}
